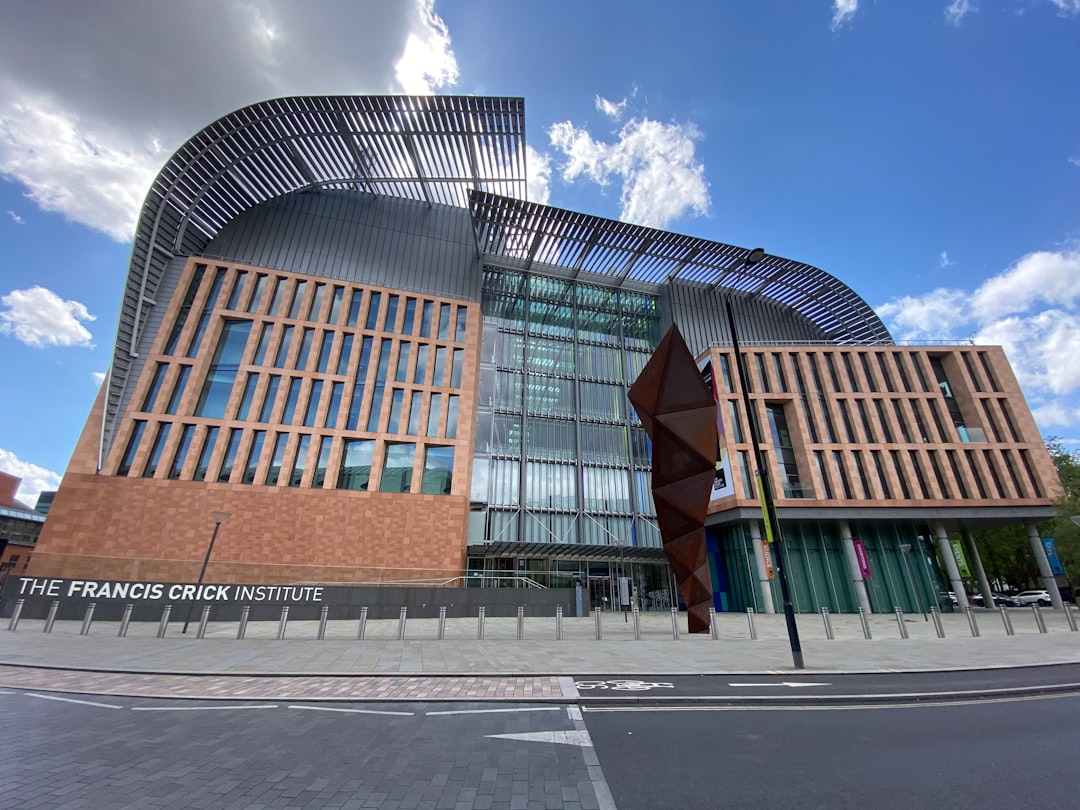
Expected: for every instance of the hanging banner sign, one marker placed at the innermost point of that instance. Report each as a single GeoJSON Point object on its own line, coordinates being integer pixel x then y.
{"type": "Point", "coordinates": [1052, 556]}
{"type": "Point", "coordinates": [864, 561]}
{"type": "Point", "coordinates": [722, 486]}
{"type": "Point", "coordinates": [961, 559]}
{"type": "Point", "coordinates": [770, 569]}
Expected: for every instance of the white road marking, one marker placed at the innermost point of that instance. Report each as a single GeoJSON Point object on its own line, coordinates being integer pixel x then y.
{"type": "Point", "coordinates": [200, 708]}
{"type": "Point", "coordinates": [350, 711]}
{"type": "Point", "coordinates": [792, 684]}
{"type": "Point", "coordinates": [578, 738]}
{"type": "Point", "coordinates": [72, 700]}
{"type": "Point", "coordinates": [497, 711]}
{"type": "Point", "coordinates": [824, 707]}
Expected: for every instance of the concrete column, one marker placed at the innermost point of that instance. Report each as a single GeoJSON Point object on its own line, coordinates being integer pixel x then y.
{"type": "Point", "coordinates": [950, 565]}
{"type": "Point", "coordinates": [1049, 583]}
{"type": "Point", "coordinates": [762, 572]}
{"type": "Point", "coordinates": [858, 584]}
{"type": "Point", "coordinates": [980, 572]}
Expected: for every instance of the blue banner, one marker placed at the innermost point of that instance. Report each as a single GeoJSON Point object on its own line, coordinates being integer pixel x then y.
{"type": "Point", "coordinates": [1051, 554]}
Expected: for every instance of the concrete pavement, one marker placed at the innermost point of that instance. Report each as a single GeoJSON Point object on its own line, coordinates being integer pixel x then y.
{"type": "Point", "coordinates": [500, 666]}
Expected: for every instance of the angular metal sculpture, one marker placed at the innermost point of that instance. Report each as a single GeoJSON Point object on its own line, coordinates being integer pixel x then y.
{"type": "Point", "coordinates": [678, 412]}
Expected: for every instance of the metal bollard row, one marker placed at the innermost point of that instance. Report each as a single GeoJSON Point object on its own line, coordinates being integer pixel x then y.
{"type": "Point", "coordinates": [935, 614]}
{"type": "Point", "coordinates": [900, 621]}
{"type": "Point", "coordinates": [1007, 621]}
{"type": "Point", "coordinates": [750, 621]}
{"type": "Point", "coordinates": [675, 624]}
{"type": "Point", "coordinates": [828, 624]}
{"type": "Point", "coordinates": [520, 623]}
{"type": "Point", "coordinates": [1039, 622]}
{"type": "Point", "coordinates": [558, 622]}
{"type": "Point", "coordinates": [714, 628]}
{"type": "Point", "coordinates": [865, 623]}
{"type": "Point", "coordinates": [14, 623]}
{"type": "Point", "coordinates": [480, 614]}
{"type": "Point", "coordinates": [203, 619]}
{"type": "Point", "coordinates": [972, 623]}
{"type": "Point", "coordinates": [401, 623]}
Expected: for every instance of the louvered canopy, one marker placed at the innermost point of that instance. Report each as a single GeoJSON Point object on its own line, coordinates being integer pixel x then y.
{"type": "Point", "coordinates": [524, 235]}
{"type": "Point", "coordinates": [429, 148]}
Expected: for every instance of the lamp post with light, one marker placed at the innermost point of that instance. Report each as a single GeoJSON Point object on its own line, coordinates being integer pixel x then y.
{"type": "Point", "coordinates": [764, 481]}
{"type": "Point", "coordinates": [219, 518]}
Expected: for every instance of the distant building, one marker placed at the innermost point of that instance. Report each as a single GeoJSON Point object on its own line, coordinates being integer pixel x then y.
{"type": "Point", "coordinates": [342, 325]}
{"type": "Point", "coordinates": [44, 502]}
{"type": "Point", "coordinates": [19, 528]}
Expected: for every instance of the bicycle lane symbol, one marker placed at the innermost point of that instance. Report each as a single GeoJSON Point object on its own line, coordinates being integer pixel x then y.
{"type": "Point", "coordinates": [623, 685]}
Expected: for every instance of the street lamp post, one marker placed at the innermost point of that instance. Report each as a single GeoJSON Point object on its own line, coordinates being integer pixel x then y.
{"type": "Point", "coordinates": [764, 480]}
{"type": "Point", "coordinates": [219, 518]}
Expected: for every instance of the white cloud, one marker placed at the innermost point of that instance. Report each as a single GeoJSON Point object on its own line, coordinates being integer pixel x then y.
{"type": "Point", "coordinates": [98, 377]}
{"type": "Point", "coordinates": [16, 218]}
{"type": "Point", "coordinates": [39, 317]}
{"type": "Point", "coordinates": [35, 479]}
{"type": "Point", "coordinates": [538, 171]}
{"type": "Point", "coordinates": [1067, 7]}
{"type": "Point", "coordinates": [654, 161]}
{"type": "Point", "coordinates": [1049, 277]}
{"type": "Point", "coordinates": [843, 10]}
{"type": "Point", "coordinates": [1075, 161]}
{"type": "Point", "coordinates": [944, 260]}
{"type": "Point", "coordinates": [610, 108]}
{"type": "Point", "coordinates": [1030, 309]}
{"type": "Point", "coordinates": [957, 10]}
{"type": "Point", "coordinates": [95, 98]}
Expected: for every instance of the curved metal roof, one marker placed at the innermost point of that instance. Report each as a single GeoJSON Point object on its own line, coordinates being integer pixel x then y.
{"type": "Point", "coordinates": [429, 148]}
{"type": "Point", "coordinates": [527, 233]}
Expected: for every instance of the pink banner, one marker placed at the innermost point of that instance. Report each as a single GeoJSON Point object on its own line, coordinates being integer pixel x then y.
{"type": "Point", "coordinates": [860, 555]}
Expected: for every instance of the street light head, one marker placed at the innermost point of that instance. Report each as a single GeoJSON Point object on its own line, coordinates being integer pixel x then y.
{"type": "Point", "coordinates": [754, 256]}
{"type": "Point", "coordinates": [220, 517]}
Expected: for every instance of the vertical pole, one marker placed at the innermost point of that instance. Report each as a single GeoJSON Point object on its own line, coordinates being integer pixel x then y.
{"type": "Point", "coordinates": [900, 621]}
{"type": "Point", "coordinates": [163, 626]}
{"type": "Point", "coordinates": [363, 623]}
{"type": "Point", "coordinates": [1049, 582]}
{"type": "Point", "coordinates": [599, 628]}
{"type": "Point", "coordinates": [87, 619]}
{"type": "Point", "coordinates": [905, 551]}
{"type": "Point", "coordinates": [480, 614]}
{"type": "Point", "coordinates": [442, 623]}
{"type": "Point", "coordinates": [245, 613]}
{"type": "Point", "coordinates": [750, 622]}
{"type": "Point", "coordinates": [51, 618]}
{"type": "Point", "coordinates": [202, 622]}
{"type": "Point", "coordinates": [1038, 618]}
{"type": "Point", "coordinates": [767, 605]}
{"type": "Point", "coordinates": [972, 623]}
{"type": "Point", "coordinates": [1007, 621]}
{"type": "Point", "coordinates": [324, 614]}
{"type": "Point", "coordinates": [764, 481]}
{"type": "Point", "coordinates": [1069, 618]}
{"type": "Point", "coordinates": [858, 584]}
{"type": "Point", "coordinates": [828, 624]}
{"type": "Point", "coordinates": [950, 565]}
{"type": "Point", "coordinates": [401, 623]}
{"type": "Point", "coordinates": [935, 614]}
{"type": "Point", "coordinates": [637, 623]}
{"type": "Point", "coordinates": [980, 572]}
{"type": "Point", "coordinates": [865, 623]}
{"type": "Point", "coordinates": [125, 620]}
{"type": "Point", "coordinates": [202, 573]}
{"type": "Point", "coordinates": [558, 622]}
{"type": "Point", "coordinates": [714, 630]}
{"type": "Point", "coordinates": [283, 622]}
{"type": "Point", "coordinates": [675, 624]}
{"type": "Point", "coordinates": [16, 613]}
{"type": "Point", "coordinates": [520, 622]}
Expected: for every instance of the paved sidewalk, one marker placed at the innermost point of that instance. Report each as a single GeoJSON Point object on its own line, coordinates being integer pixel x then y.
{"type": "Point", "coordinates": [461, 667]}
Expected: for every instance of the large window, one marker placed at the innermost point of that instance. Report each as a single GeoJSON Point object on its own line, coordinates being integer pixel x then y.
{"type": "Point", "coordinates": [438, 470]}
{"type": "Point", "coordinates": [223, 368]}
{"type": "Point", "coordinates": [355, 470]}
{"type": "Point", "coordinates": [398, 467]}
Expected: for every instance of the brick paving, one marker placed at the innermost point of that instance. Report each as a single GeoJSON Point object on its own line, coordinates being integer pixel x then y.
{"type": "Point", "coordinates": [343, 687]}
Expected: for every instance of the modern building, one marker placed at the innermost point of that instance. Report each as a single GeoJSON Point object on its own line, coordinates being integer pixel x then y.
{"type": "Point", "coordinates": [19, 529]}
{"type": "Point", "coordinates": [344, 325]}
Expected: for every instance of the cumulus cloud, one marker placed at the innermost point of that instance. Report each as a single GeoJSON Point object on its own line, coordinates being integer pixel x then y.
{"type": "Point", "coordinates": [843, 10]}
{"type": "Point", "coordinates": [1075, 160]}
{"type": "Point", "coordinates": [94, 98]}
{"type": "Point", "coordinates": [957, 10]}
{"type": "Point", "coordinates": [1031, 309]}
{"type": "Point", "coordinates": [98, 377]}
{"type": "Point", "coordinates": [610, 108]}
{"type": "Point", "coordinates": [654, 162]}
{"type": "Point", "coordinates": [1067, 8]}
{"type": "Point", "coordinates": [39, 317]}
{"type": "Point", "coordinates": [538, 171]}
{"type": "Point", "coordinates": [35, 479]}
{"type": "Point", "coordinates": [16, 218]}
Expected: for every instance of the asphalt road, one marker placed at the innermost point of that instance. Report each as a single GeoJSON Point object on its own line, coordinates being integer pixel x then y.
{"type": "Point", "coordinates": [825, 687]}
{"type": "Point", "coordinates": [1015, 753]}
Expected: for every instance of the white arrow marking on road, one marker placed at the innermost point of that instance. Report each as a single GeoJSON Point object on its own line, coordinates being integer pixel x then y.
{"type": "Point", "coordinates": [792, 684]}
{"type": "Point", "coordinates": [579, 738]}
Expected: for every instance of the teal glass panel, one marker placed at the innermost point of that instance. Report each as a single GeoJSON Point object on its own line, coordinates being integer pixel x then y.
{"type": "Point", "coordinates": [178, 389]}
{"type": "Point", "coordinates": [186, 435]}
{"type": "Point", "coordinates": [300, 460]}
{"type": "Point", "coordinates": [355, 472]}
{"type": "Point", "coordinates": [155, 451]}
{"type": "Point", "coordinates": [209, 440]}
{"type": "Point", "coordinates": [398, 467]}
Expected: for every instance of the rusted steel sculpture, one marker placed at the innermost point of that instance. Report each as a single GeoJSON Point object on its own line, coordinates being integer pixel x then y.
{"type": "Point", "coordinates": [678, 412]}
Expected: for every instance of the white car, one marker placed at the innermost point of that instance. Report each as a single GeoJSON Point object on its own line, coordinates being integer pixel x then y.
{"type": "Point", "coordinates": [1033, 598]}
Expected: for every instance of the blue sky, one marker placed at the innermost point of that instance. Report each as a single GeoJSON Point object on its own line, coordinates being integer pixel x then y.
{"type": "Point", "coordinates": [925, 152]}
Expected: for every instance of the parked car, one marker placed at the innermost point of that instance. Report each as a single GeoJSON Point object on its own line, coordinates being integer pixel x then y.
{"type": "Point", "coordinates": [1026, 598]}
{"type": "Point", "coordinates": [1000, 600]}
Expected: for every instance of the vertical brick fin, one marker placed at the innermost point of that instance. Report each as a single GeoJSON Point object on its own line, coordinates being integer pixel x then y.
{"type": "Point", "coordinates": [678, 412]}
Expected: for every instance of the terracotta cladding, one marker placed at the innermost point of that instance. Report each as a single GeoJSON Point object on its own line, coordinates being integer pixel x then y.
{"type": "Point", "coordinates": [96, 514]}
{"type": "Point", "coordinates": [889, 425]}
